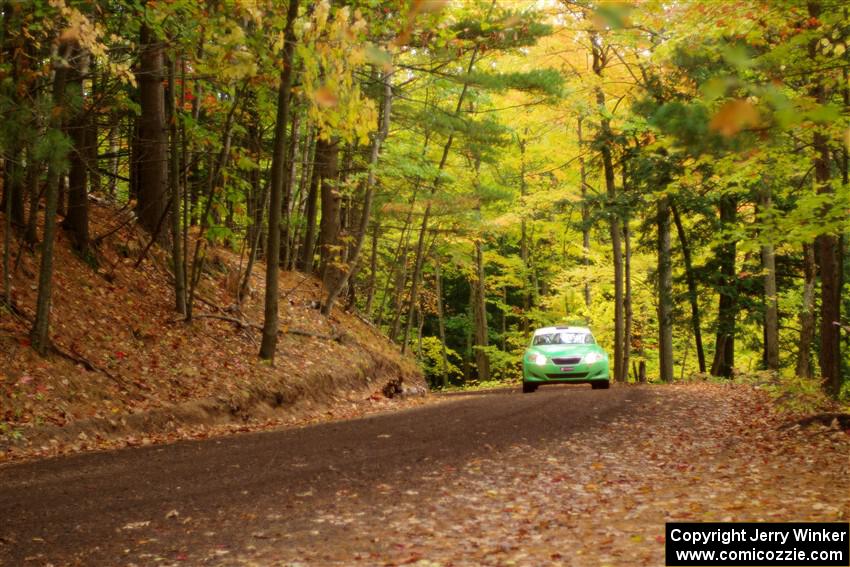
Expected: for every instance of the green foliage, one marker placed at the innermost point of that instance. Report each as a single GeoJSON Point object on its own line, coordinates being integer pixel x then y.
{"type": "Point", "coordinates": [549, 82]}
{"type": "Point", "coordinates": [431, 362]}
{"type": "Point", "coordinates": [507, 30]}
{"type": "Point", "coordinates": [697, 104]}
{"type": "Point", "coordinates": [52, 148]}
{"type": "Point", "coordinates": [505, 366]}
{"type": "Point", "coordinates": [791, 393]}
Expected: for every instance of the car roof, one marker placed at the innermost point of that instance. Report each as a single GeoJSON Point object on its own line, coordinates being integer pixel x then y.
{"type": "Point", "coordinates": [550, 330]}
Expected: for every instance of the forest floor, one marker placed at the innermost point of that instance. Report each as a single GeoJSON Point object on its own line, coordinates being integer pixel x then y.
{"type": "Point", "coordinates": [567, 475]}
{"type": "Point", "coordinates": [127, 370]}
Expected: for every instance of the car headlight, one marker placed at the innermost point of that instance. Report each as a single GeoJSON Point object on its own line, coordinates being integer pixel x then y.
{"type": "Point", "coordinates": [538, 359]}
{"type": "Point", "coordinates": [593, 357]}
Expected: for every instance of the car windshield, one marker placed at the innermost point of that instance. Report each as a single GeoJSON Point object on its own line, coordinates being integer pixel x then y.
{"type": "Point", "coordinates": [563, 338]}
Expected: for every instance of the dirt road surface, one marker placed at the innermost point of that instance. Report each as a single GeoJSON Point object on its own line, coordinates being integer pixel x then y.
{"type": "Point", "coordinates": [567, 475]}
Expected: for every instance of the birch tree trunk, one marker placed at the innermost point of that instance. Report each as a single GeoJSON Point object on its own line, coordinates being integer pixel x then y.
{"type": "Point", "coordinates": [807, 314]}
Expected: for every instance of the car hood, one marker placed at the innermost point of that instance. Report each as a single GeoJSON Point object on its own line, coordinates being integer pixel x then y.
{"type": "Point", "coordinates": [566, 350]}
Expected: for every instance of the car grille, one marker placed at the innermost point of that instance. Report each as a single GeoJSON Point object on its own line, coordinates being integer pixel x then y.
{"type": "Point", "coordinates": [568, 360]}
{"type": "Point", "coordinates": [567, 375]}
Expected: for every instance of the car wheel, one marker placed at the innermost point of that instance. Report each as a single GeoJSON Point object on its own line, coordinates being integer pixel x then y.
{"type": "Point", "coordinates": [600, 385]}
{"type": "Point", "coordinates": [528, 387]}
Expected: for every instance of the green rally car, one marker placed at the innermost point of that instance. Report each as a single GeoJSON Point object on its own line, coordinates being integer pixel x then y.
{"type": "Point", "coordinates": [564, 355]}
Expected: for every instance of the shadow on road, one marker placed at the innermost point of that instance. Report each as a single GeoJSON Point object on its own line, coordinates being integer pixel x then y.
{"type": "Point", "coordinates": [508, 390]}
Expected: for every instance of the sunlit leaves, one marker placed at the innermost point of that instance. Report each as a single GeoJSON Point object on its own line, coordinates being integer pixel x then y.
{"type": "Point", "coordinates": [331, 49]}
{"type": "Point", "coordinates": [229, 54]}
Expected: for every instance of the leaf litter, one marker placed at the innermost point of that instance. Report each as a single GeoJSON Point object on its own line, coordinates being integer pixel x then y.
{"type": "Point", "coordinates": [143, 376]}
{"type": "Point", "coordinates": [705, 452]}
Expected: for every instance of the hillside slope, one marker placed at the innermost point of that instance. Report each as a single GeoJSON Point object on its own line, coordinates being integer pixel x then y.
{"type": "Point", "coordinates": [126, 363]}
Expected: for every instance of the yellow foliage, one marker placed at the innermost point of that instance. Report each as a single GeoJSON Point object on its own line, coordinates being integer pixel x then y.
{"type": "Point", "coordinates": [332, 48]}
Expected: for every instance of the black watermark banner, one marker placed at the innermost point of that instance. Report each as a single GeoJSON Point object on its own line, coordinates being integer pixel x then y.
{"type": "Point", "coordinates": [758, 544]}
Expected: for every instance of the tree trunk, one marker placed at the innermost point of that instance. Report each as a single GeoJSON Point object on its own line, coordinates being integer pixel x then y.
{"type": "Point", "coordinates": [13, 55]}
{"type": "Point", "coordinates": [585, 216]}
{"type": "Point", "coordinates": [807, 314]}
{"type": "Point", "coordinates": [91, 130]}
{"type": "Point", "coordinates": [7, 239]}
{"type": "Point", "coordinates": [216, 165]}
{"type": "Point", "coordinates": [152, 165]}
{"type": "Point", "coordinates": [373, 271]}
{"type": "Point", "coordinates": [13, 187]}
{"type": "Point", "coordinates": [33, 192]}
{"type": "Point", "coordinates": [724, 349]}
{"type": "Point", "coordinates": [826, 245]}
{"type": "Point", "coordinates": [617, 256]}
{"type": "Point", "coordinates": [377, 141]}
{"type": "Point", "coordinates": [255, 244]}
{"type": "Point", "coordinates": [523, 239]}
{"type": "Point", "coordinates": [417, 267]}
{"type": "Point", "coordinates": [479, 310]}
{"type": "Point", "coordinates": [627, 277]}
{"type": "Point", "coordinates": [286, 212]}
{"type": "Point", "coordinates": [62, 196]}
{"type": "Point", "coordinates": [771, 304]}
{"type": "Point", "coordinates": [40, 337]}
{"type": "Point", "coordinates": [604, 141]}
{"type": "Point", "coordinates": [114, 162]}
{"type": "Point", "coordinates": [270, 314]}
{"type": "Point", "coordinates": [77, 220]}
{"type": "Point", "coordinates": [468, 354]}
{"type": "Point", "coordinates": [308, 151]}
{"type": "Point", "coordinates": [441, 325]}
{"type": "Point", "coordinates": [176, 200]}
{"type": "Point", "coordinates": [257, 195]}
{"type": "Point", "coordinates": [665, 293]}
{"type": "Point", "coordinates": [397, 279]}
{"type": "Point", "coordinates": [627, 326]}
{"type": "Point", "coordinates": [503, 329]}
{"type": "Point", "coordinates": [135, 155]}
{"type": "Point", "coordinates": [307, 250]}
{"type": "Point", "coordinates": [420, 324]}
{"type": "Point", "coordinates": [186, 152]}
{"type": "Point", "coordinates": [193, 190]}
{"type": "Point", "coordinates": [329, 223]}
{"type": "Point", "coordinates": [829, 264]}
{"type": "Point", "coordinates": [693, 299]}
{"type": "Point", "coordinates": [400, 256]}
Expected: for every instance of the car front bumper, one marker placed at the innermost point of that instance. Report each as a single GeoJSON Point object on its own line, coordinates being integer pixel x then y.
{"type": "Point", "coordinates": [576, 374]}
